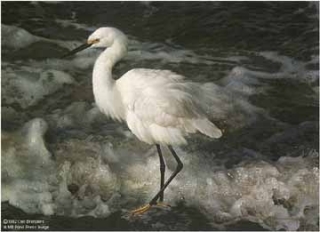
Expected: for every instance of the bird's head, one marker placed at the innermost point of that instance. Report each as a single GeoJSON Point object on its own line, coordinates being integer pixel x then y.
{"type": "Point", "coordinates": [101, 38]}
{"type": "Point", "coordinates": [106, 36]}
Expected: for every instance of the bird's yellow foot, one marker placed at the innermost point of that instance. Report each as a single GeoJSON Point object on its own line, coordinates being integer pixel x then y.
{"type": "Point", "coordinates": [140, 210]}
{"type": "Point", "coordinates": [145, 208]}
{"type": "Point", "coordinates": [162, 204]}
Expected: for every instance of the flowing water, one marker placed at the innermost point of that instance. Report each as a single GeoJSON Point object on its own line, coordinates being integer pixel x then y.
{"type": "Point", "coordinates": [65, 163]}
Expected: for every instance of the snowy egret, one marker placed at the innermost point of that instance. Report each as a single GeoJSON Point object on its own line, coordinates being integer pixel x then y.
{"type": "Point", "coordinates": [159, 106]}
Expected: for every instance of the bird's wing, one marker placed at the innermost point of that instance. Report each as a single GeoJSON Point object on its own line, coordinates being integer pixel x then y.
{"type": "Point", "coordinates": [158, 96]}
{"type": "Point", "coordinates": [161, 98]}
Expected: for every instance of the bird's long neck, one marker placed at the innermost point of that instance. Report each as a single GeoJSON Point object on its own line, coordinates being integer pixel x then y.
{"type": "Point", "coordinates": [107, 59]}
{"type": "Point", "coordinates": [104, 89]}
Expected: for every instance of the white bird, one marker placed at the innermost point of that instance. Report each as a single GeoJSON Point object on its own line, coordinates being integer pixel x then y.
{"type": "Point", "coordinates": [159, 106]}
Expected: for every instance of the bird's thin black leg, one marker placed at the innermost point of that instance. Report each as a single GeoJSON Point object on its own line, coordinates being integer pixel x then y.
{"type": "Point", "coordinates": [162, 171]}
{"type": "Point", "coordinates": [178, 169]}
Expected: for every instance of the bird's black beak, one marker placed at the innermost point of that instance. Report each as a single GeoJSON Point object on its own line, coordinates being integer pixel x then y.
{"type": "Point", "coordinates": [78, 49]}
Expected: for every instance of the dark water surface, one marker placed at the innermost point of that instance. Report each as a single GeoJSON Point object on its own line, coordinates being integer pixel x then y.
{"type": "Point", "coordinates": [67, 164]}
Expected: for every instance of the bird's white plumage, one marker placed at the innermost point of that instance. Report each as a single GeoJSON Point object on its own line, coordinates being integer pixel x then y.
{"type": "Point", "coordinates": [159, 106]}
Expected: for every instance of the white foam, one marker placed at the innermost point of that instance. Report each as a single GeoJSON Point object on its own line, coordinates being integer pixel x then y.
{"type": "Point", "coordinates": [292, 68]}
{"type": "Point", "coordinates": [229, 103]}
{"type": "Point", "coordinates": [109, 177]}
{"type": "Point", "coordinates": [26, 85]}
{"type": "Point", "coordinates": [15, 37]}
{"type": "Point", "coordinates": [248, 192]}
{"type": "Point", "coordinates": [169, 54]}
{"type": "Point", "coordinates": [26, 166]}
{"type": "Point", "coordinates": [73, 23]}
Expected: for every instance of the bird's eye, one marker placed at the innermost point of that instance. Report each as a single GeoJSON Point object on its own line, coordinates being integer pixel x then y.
{"type": "Point", "coordinates": [93, 41]}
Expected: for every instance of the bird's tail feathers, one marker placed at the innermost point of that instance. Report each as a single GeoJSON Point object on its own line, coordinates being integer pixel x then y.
{"type": "Point", "coordinates": [206, 127]}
